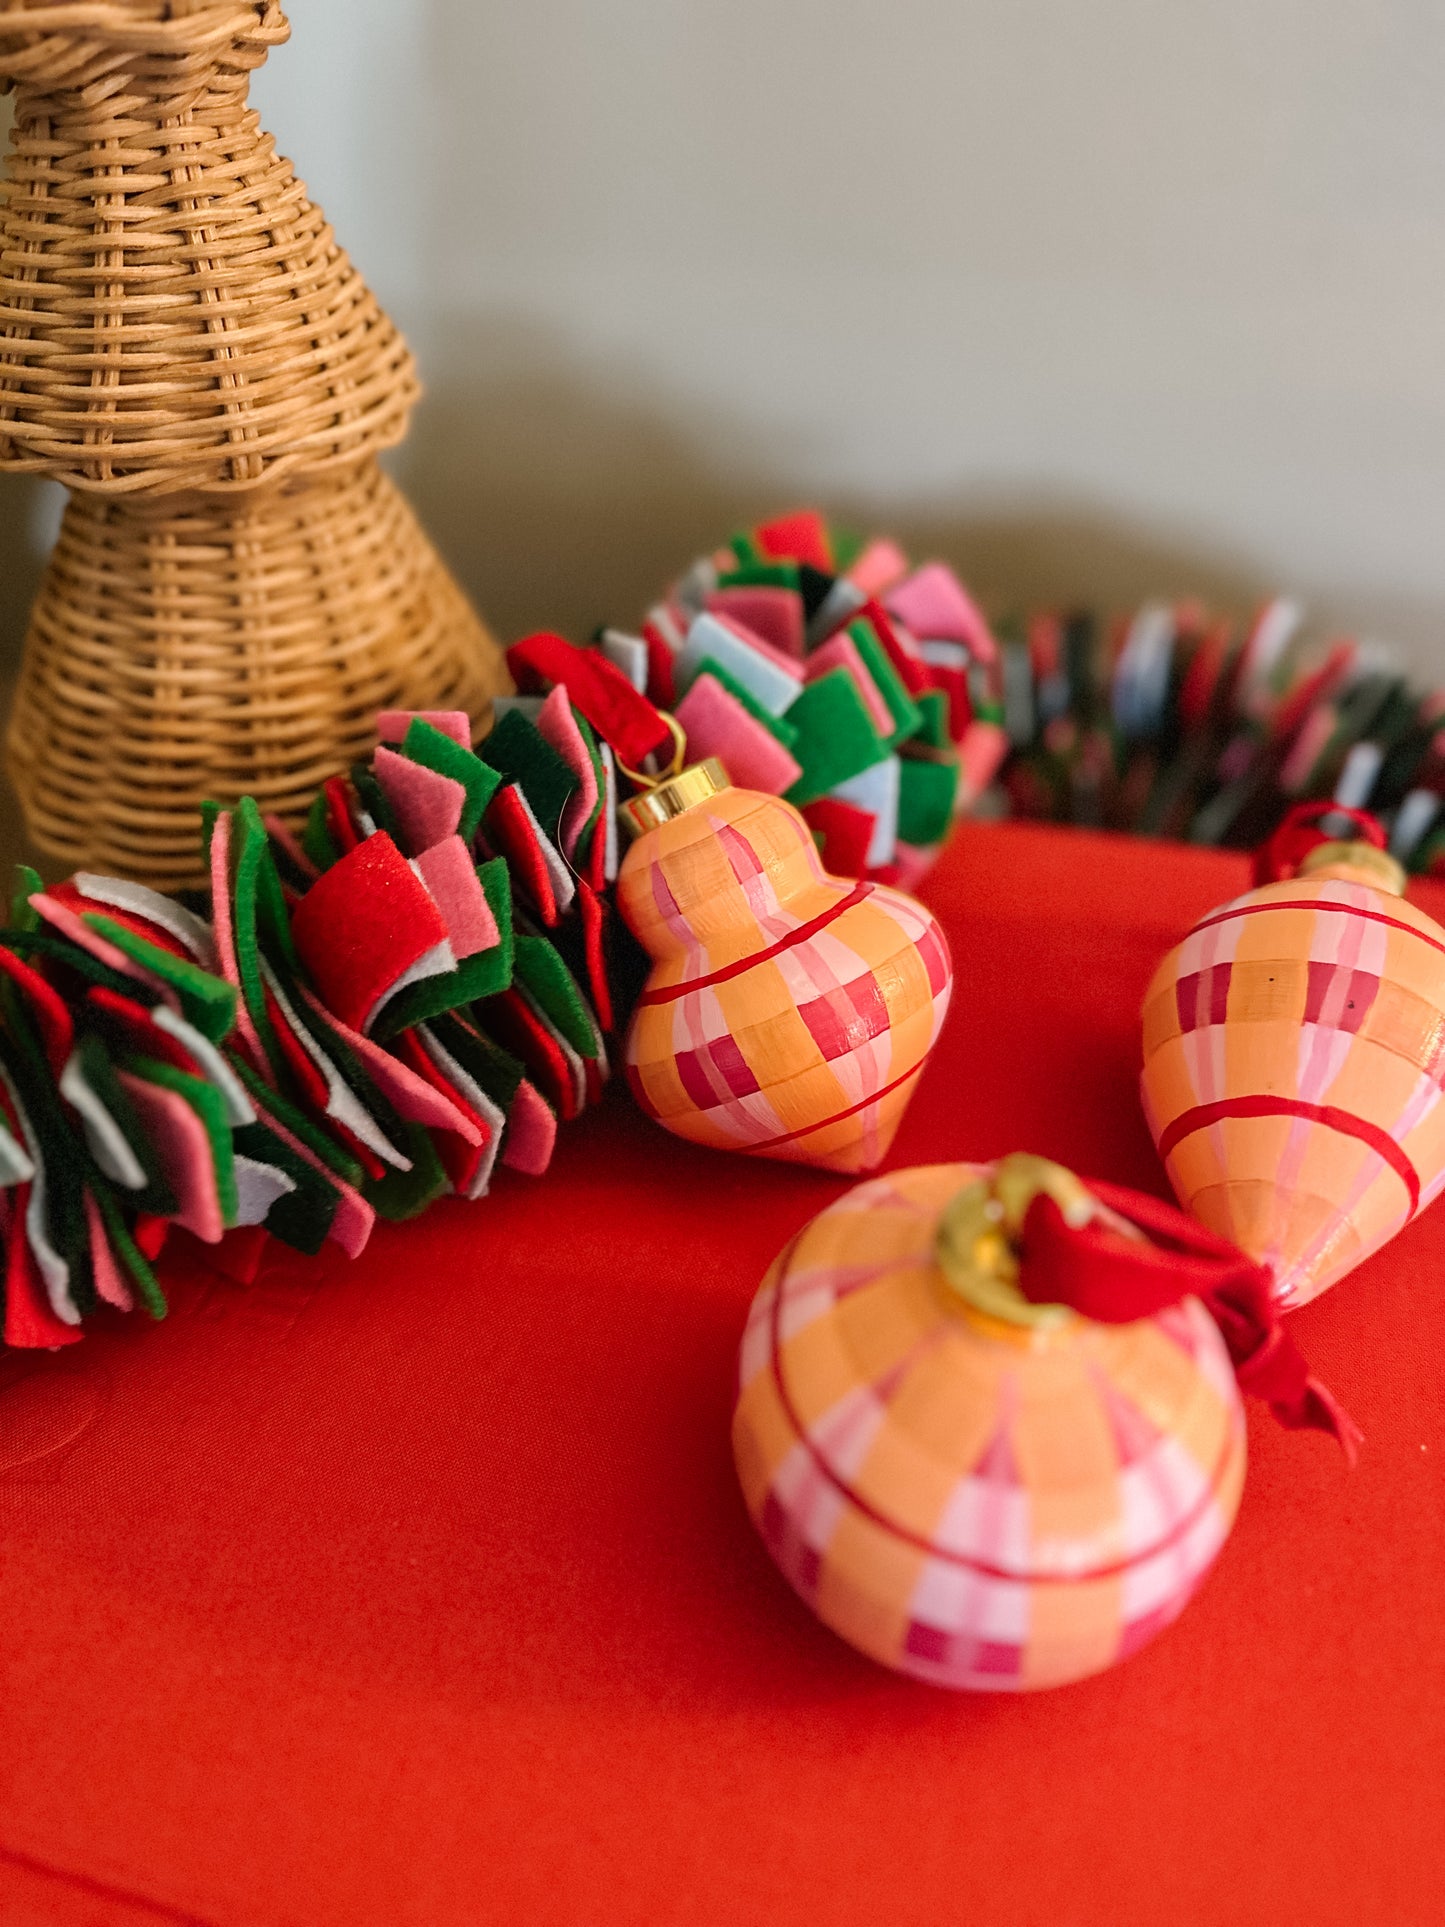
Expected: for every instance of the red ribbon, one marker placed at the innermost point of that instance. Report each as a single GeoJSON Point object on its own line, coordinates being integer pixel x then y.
{"type": "Point", "coordinates": [1108, 1276]}
{"type": "Point", "coordinates": [1279, 857]}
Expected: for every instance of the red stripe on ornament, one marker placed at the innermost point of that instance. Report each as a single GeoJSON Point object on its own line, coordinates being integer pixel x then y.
{"type": "Point", "coordinates": [1345, 1122]}
{"type": "Point", "coordinates": [1340, 909]}
{"type": "Point", "coordinates": [670, 993]}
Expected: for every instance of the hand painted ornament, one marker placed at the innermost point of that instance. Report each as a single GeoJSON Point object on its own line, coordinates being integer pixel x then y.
{"type": "Point", "coordinates": [1294, 1046]}
{"type": "Point", "coordinates": [788, 1014]}
{"type": "Point", "coordinates": [981, 1489]}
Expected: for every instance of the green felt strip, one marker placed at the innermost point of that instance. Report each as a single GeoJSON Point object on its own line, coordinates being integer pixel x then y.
{"type": "Point", "coordinates": [847, 545]}
{"type": "Point", "coordinates": [27, 882]}
{"type": "Point", "coordinates": [273, 920]}
{"type": "Point", "coordinates": [836, 737]}
{"type": "Point", "coordinates": [926, 792]}
{"type": "Point", "coordinates": [761, 575]}
{"type": "Point", "coordinates": [745, 548]}
{"type": "Point", "coordinates": [210, 1107]}
{"type": "Point", "coordinates": [933, 713]}
{"type": "Point", "coordinates": [147, 1285]}
{"type": "Point", "coordinates": [517, 748]}
{"type": "Point", "coordinates": [42, 943]}
{"type": "Point", "coordinates": [245, 854]}
{"type": "Point", "coordinates": [98, 1070]}
{"type": "Point", "coordinates": [303, 1217]}
{"type": "Point", "coordinates": [480, 976]}
{"type": "Point", "coordinates": [541, 971]}
{"type": "Point", "coordinates": [424, 743]}
{"type": "Point", "coordinates": [901, 706]}
{"type": "Point", "coordinates": [778, 726]}
{"type": "Point", "coordinates": [495, 1070]}
{"type": "Point", "coordinates": [207, 1001]}
{"type": "Point", "coordinates": [316, 838]}
{"type": "Point", "coordinates": [405, 1194]}
{"type": "Point", "coordinates": [297, 1122]}
{"type": "Point", "coordinates": [374, 799]}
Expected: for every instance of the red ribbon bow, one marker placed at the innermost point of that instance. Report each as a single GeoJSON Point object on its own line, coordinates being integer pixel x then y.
{"type": "Point", "coordinates": [1106, 1275]}
{"type": "Point", "coordinates": [1279, 857]}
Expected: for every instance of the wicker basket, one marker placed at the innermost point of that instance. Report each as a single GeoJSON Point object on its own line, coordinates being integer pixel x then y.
{"type": "Point", "coordinates": [184, 345]}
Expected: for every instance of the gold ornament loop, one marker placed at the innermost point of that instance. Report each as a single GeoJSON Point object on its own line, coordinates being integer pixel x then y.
{"type": "Point", "coordinates": [639, 778]}
{"type": "Point", "coordinates": [976, 1247]}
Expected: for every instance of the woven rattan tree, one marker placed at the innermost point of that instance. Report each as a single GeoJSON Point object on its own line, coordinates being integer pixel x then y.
{"type": "Point", "coordinates": [237, 587]}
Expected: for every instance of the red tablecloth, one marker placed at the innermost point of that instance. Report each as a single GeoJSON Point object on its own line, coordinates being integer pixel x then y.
{"type": "Point", "coordinates": [419, 1590]}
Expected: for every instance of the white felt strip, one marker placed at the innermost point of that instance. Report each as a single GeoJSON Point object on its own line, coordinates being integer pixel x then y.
{"type": "Point", "coordinates": [629, 654]}
{"type": "Point", "coordinates": [342, 1103]}
{"type": "Point", "coordinates": [840, 605]}
{"type": "Point", "coordinates": [609, 813]}
{"type": "Point", "coordinates": [491, 1113]}
{"type": "Point", "coordinates": [258, 1186]}
{"type": "Point", "coordinates": [876, 790]}
{"type": "Point", "coordinates": [239, 1108]}
{"type": "Point", "coordinates": [564, 888]}
{"type": "Point", "coordinates": [435, 962]}
{"type": "Point", "coordinates": [164, 912]}
{"type": "Point", "coordinates": [53, 1268]}
{"type": "Point", "coordinates": [15, 1165]}
{"type": "Point", "coordinates": [109, 1145]}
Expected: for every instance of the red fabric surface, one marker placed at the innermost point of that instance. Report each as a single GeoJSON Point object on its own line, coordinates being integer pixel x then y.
{"type": "Point", "coordinates": [419, 1590]}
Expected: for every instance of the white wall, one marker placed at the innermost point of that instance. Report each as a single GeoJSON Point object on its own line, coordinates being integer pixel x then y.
{"type": "Point", "coordinates": [1102, 298]}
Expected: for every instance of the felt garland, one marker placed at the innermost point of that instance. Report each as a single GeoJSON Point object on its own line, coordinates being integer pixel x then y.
{"type": "Point", "coordinates": [409, 995]}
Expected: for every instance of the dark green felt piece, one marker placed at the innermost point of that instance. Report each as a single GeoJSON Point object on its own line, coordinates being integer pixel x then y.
{"type": "Point", "coordinates": [761, 575]}
{"type": "Point", "coordinates": [297, 1122]}
{"type": "Point", "coordinates": [541, 972]}
{"type": "Point", "coordinates": [348, 1066]}
{"type": "Point", "coordinates": [888, 682]}
{"type": "Point", "coordinates": [303, 1217]}
{"type": "Point", "coordinates": [405, 1194]}
{"type": "Point", "coordinates": [424, 743]}
{"type": "Point", "coordinates": [147, 1285]}
{"type": "Point", "coordinates": [836, 737]}
{"type": "Point", "coordinates": [496, 1071]}
{"type": "Point", "coordinates": [207, 1001]}
{"type": "Point", "coordinates": [155, 1195]}
{"type": "Point", "coordinates": [479, 976]}
{"type": "Point", "coordinates": [933, 713]}
{"type": "Point", "coordinates": [316, 838]}
{"type": "Point", "coordinates": [210, 1107]}
{"type": "Point", "coordinates": [745, 549]}
{"type": "Point", "coordinates": [518, 749]}
{"type": "Point", "coordinates": [374, 799]}
{"type": "Point", "coordinates": [245, 855]}
{"type": "Point", "coordinates": [926, 791]}
{"type": "Point", "coordinates": [778, 726]}
{"type": "Point", "coordinates": [273, 920]}
{"type": "Point", "coordinates": [27, 882]}
{"type": "Point", "coordinates": [68, 1163]}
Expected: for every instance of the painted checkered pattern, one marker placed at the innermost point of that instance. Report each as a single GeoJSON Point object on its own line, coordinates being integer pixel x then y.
{"type": "Point", "coordinates": [969, 1503]}
{"type": "Point", "coordinates": [1294, 1057]}
{"type": "Point", "coordinates": [789, 1012]}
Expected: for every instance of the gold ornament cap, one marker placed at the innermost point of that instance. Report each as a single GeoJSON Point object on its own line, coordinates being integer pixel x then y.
{"type": "Point", "coordinates": [976, 1248]}
{"type": "Point", "coordinates": [672, 796]}
{"type": "Point", "coordinates": [1357, 862]}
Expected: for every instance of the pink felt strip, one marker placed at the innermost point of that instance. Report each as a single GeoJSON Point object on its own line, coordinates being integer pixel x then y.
{"type": "Point", "coordinates": [531, 1132]}
{"type": "Point", "coordinates": [558, 725]}
{"type": "Point", "coordinates": [777, 657]}
{"type": "Point", "coordinates": [351, 1227]}
{"type": "Point", "coordinates": [410, 1096]}
{"type": "Point", "coordinates": [880, 565]}
{"type": "Point", "coordinates": [453, 885]}
{"type": "Point", "coordinates": [716, 724]}
{"type": "Point", "coordinates": [841, 652]}
{"type": "Point", "coordinates": [183, 1151]}
{"type": "Point", "coordinates": [245, 1033]}
{"type": "Point", "coordinates": [980, 753]}
{"type": "Point", "coordinates": [279, 833]}
{"type": "Point", "coordinates": [104, 1269]}
{"type": "Point", "coordinates": [391, 724]}
{"type": "Point", "coordinates": [428, 805]}
{"type": "Point", "coordinates": [934, 604]}
{"type": "Point", "coordinates": [774, 614]}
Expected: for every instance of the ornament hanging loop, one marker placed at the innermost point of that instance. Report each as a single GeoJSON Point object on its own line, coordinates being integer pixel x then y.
{"type": "Point", "coordinates": [640, 779]}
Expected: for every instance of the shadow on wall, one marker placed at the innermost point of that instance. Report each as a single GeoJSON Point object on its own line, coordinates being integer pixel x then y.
{"type": "Point", "coordinates": [562, 501]}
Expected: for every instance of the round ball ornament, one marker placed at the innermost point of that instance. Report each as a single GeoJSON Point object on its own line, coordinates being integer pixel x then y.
{"type": "Point", "coordinates": [974, 1488]}
{"type": "Point", "coordinates": [788, 1012]}
{"type": "Point", "coordinates": [1293, 1057]}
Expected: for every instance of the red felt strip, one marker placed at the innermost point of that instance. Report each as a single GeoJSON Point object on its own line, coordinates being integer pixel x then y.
{"type": "Point", "coordinates": [592, 913]}
{"type": "Point", "coordinates": [846, 831]}
{"type": "Point", "coordinates": [339, 819]}
{"type": "Point", "coordinates": [511, 831]}
{"type": "Point", "coordinates": [461, 1159]}
{"type": "Point", "coordinates": [620, 714]}
{"type": "Point", "coordinates": [799, 537]}
{"type": "Point", "coordinates": [29, 1321]}
{"type": "Point", "coordinates": [1378, 1140]}
{"type": "Point", "coordinates": [520, 1031]}
{"type": "Point", "coordinates": [362, 924]}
